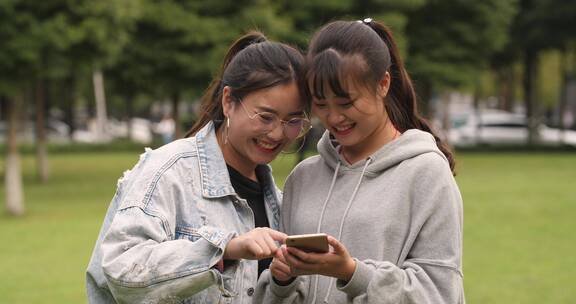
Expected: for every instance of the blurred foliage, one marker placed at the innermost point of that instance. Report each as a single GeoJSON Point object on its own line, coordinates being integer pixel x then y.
{"type": "Point", "coordinates": [176, 46]}
{"type": "Point", "coordinates": [49, 38]}
{"type": "Point", "coordinates": [153, 50]}
{"type": "Point", "coordinates": [451, 40]}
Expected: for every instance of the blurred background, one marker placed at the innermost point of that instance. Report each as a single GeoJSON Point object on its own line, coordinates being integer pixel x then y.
{"type": "Point", "coordinates": [86, 85]}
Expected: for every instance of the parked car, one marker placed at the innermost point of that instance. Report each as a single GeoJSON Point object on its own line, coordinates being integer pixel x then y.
{"type": "Point", "coordinates": [496, 127]}
{"type": "Point", "coordinates": [140, 132]}
{"type": "Point", "coordinates": [56, 131]}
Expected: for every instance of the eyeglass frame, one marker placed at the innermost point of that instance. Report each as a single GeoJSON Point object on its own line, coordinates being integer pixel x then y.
{"type": "Point", "coordinates": [282, 122]}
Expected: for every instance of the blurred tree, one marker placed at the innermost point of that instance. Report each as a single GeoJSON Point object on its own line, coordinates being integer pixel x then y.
{"type": "Point", "coordinates": [98, 32]}
{"type": "Point", "coordinates": [538, 25]}
{"type": "Point", "coordinates": [309, 16]}
{"type": "Point", "coordinates": [177, 46]}
{"type": "Point", "coordinates": [46, 40]}
{"type": "Point", "coordinates": [13, 171]}
{"type": "Point", "coordinates": [15, 56]}
{"type": "Point", "coordinates": [450, 42]}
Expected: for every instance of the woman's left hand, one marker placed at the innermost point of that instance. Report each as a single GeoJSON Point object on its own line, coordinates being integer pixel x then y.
{"type": "Point", "coordinates": [337, 263]}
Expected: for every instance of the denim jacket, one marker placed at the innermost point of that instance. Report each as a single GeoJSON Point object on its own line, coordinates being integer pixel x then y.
{"type": "Point", "coordinates": [168, 225]}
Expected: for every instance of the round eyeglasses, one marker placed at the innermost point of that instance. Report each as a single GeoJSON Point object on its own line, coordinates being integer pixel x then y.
{"type": "Point", "coordinates": [267, 122]}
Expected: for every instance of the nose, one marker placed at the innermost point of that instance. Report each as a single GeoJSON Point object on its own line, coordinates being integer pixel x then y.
{"type": "Point", "coordinates": [334, 117]}
{"type": "Point", "coordinates": [277, 134]}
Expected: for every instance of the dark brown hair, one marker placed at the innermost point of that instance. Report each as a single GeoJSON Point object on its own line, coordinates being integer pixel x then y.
{"type": "Point", "coordinates": [251, 64]}
{"type": "Point", "coordinates": [364, 51]}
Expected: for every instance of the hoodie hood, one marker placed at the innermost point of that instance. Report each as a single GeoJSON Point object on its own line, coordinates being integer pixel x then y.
{"type": "Point", "coordinates": [410, 144]}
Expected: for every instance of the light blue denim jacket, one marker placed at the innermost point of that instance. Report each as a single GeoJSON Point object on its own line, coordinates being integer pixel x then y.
{"type": "Point", "coordinates": [168, 225]}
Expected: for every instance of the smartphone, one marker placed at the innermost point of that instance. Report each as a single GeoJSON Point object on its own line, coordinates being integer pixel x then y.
{"type": "Point", "coordinates": [317, 242]}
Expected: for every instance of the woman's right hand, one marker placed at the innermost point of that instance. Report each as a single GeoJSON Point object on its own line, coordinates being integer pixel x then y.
{"type": "Point", "coordinates": [280, 269]}
{"type": "Point", "coordinates": [256, 244]}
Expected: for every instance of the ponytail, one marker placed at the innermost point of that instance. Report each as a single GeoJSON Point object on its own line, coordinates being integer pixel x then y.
{"type": "Point", "coordinates": [402, 107]}
{"type": "Point", "coordinates": [211, 108]}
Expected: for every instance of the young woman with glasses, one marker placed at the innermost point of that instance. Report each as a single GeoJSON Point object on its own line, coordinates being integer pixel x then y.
{"type": "Point", "coordinates": [196, 220]}
{"type": "Point", "coordinates": [382, 186]}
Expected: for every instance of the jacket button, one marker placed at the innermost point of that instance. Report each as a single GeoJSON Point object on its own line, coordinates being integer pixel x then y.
{"type": "Point", "coordinates": [250, 291]}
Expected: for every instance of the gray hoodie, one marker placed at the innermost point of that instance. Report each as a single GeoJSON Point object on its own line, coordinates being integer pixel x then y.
{"type": "Point", "coordinates": [399, 214]}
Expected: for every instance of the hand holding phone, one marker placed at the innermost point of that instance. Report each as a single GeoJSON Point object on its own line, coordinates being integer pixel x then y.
{"type": "Point", "coordinates": [338, 264]}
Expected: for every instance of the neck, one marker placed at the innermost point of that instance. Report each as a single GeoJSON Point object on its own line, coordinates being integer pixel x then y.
{"type": "Point", "coordinates": [235, 159]}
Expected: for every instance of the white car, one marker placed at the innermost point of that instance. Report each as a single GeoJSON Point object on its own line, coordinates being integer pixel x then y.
{"type": "Point", "coordinates": [140, 133]}
{"type": "Point", "coordinates": [496, 127]}
{"type": "Point", "coordinates": [56, 131]}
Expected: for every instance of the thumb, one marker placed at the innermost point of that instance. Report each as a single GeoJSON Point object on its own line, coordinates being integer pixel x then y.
{"type": "Point", "coordinates": [279, 255]}
{"type": "Point", "coordinates": [338, 247]}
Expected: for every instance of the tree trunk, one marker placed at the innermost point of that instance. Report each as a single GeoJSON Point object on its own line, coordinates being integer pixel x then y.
{"type": "Point", "coordinates": [446, 119]}
{"type": "Point", "coordinates": [571, 100]}
{"type": "Point", "coordinates": [571, 86]}
{"type": "Point", "coordinates": [505, 85]}
{"type": "Point", "coordinates": [425, 105]}
{"type": "Point", "coordinates": [40, 134]}
{"type": "Point", "coordinates": [129, 114]}
{"type": "Point", "coordinates": [3, 108]}
{"type": "Point", "coordinates": [563, 94]}
{"type": "Point", "coordinates": [13, 173]}
{"type": "Point", "coordinates": [70, 96]}
{"type": "Point", "coordinates": [530, 93]}
{"type": "Point", "coordinates": [176, 115]}
{"type": "Point", "coordinates": [100, 96]}
{"type": "Point", "coordinates": [476, 113]}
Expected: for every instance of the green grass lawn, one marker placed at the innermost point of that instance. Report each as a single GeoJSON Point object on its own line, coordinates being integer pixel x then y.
{"type": "Point", "coordinates": [519, 240]}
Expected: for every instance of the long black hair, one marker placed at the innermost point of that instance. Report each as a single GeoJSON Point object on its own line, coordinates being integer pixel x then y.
{"type": "Point", "coordinates": [251, 64]}
{"type": "Point", "coordinates": [363, 52]}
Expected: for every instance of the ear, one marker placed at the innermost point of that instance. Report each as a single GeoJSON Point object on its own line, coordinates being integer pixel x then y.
{"type": "Point", "coordinates": [384, 85]}
{"type": "Point", "coordinates": [226, 101]}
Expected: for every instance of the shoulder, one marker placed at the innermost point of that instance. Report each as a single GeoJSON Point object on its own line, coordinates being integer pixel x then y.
{"type": "Point", "coordinates": [310, 164]}
{"type": "Point", "coordinates": [432, 180]}
{"type": "Point", "coordinates": [430, 164]}
{"type": "Point", "coordinates": [172, 163]}
{"type": "Point", "coordinates": [178, 149]}
{"type": "Point", "coordinates": [169, 156]}
{"type": "Point", "coordinates": [428, 175]}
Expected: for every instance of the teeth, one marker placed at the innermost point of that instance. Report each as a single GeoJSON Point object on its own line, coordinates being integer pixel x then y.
{"type": "Point", "coordinates": [343, 128]}
{"type": "Point", "coordinates": [267, 145]}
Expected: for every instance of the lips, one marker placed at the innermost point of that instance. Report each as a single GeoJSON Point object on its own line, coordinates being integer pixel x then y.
{"type": "Point", "coordinates": [266, 146]}
{"type": "Point", "coordinates": [343, 129]}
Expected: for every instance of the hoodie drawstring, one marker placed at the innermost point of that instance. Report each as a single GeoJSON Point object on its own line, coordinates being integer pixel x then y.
{"type": "Point", "coordinates": [328, 197]}
{"type": "Point", "coordinates": [322, 217]}
{"type": "Point", "coordinates": [341, 221]}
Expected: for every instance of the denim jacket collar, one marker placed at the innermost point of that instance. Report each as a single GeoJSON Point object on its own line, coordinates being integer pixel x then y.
{"type": "Point", "coordinates": [214, 175]}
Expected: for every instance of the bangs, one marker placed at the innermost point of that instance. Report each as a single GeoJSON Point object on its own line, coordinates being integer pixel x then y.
{"type": "Point", "coordinates": [333, 73]}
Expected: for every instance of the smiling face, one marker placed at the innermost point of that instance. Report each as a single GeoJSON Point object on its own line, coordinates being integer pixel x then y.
{"type": "Point", "coordinates": [358, 121]}
{"type": "Point", "coordinates": [248, 144]}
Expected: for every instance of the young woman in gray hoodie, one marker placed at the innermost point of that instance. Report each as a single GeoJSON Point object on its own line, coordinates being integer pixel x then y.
{"type": "Point", "coordinates": [382, 186]}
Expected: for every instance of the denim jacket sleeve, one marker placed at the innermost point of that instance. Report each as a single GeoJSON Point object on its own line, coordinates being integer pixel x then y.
{"type": "Point", "coordinates": [142, 259]}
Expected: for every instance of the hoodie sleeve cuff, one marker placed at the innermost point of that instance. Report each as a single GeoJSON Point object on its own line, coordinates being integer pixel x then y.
{"type": "Point", "coordinates": [283, 291]}
{"type": "Point", "coordinates": [359, 281]}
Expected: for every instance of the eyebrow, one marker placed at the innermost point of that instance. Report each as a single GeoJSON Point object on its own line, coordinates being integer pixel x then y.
{"type": "Point", "coordinates": [267, 109]}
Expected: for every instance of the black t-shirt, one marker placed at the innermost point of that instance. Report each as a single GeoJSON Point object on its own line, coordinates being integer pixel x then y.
{"type": "Point", "coordinates": [252, 193]}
